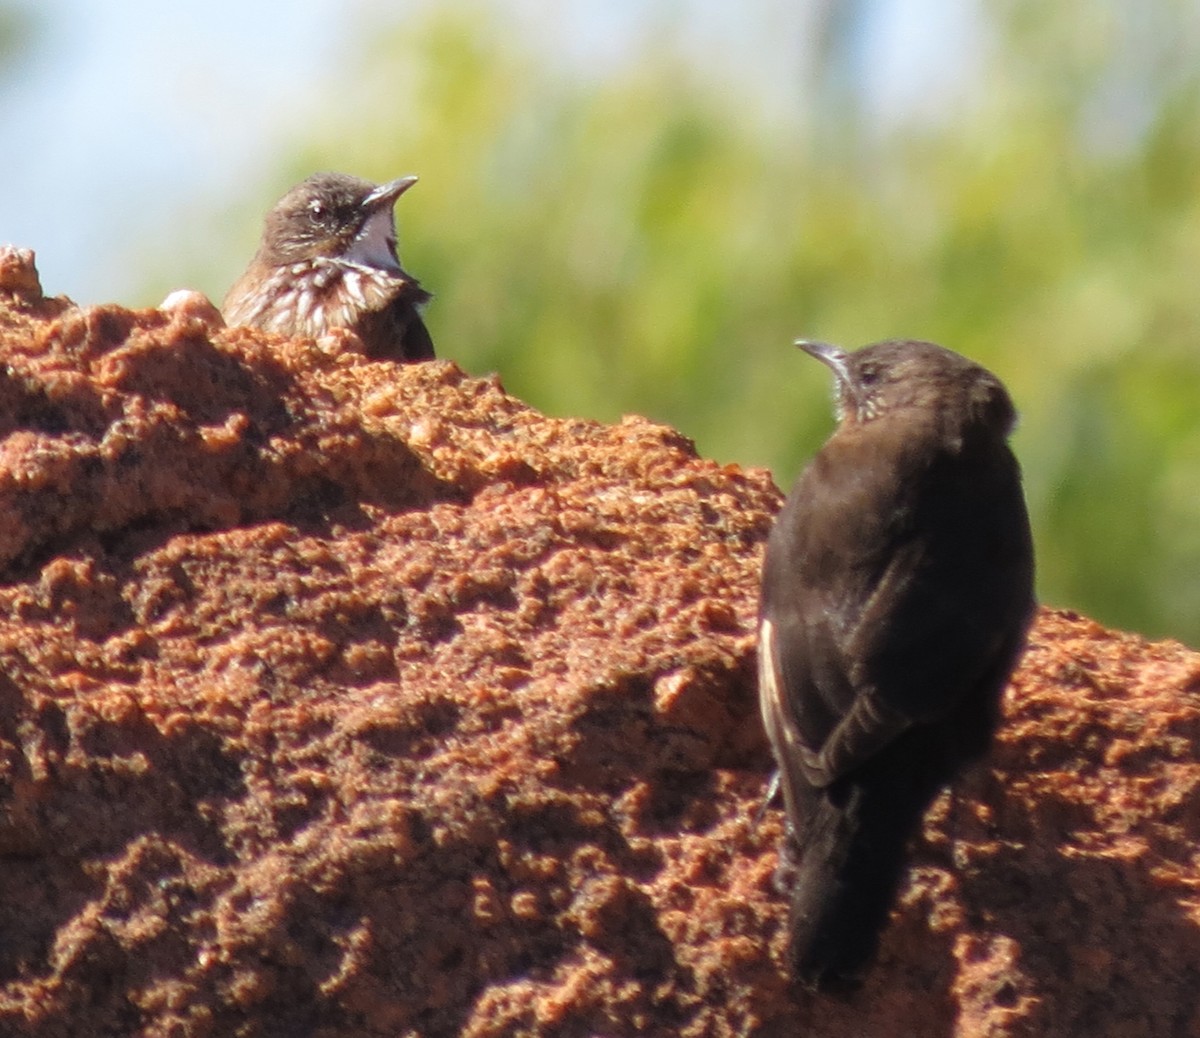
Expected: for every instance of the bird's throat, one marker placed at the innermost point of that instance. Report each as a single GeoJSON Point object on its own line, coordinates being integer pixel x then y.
{"type": "Point", "coordinates": [375, 244]}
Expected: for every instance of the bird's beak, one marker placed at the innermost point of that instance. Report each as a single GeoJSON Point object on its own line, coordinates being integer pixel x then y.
{"type": "Point", "coordinates": [837, 360]}
{"type": "Point", "coordinates": [375, 243]}
{"type": "Point", "coordinates": [386, 194]}
{"type": "Point", "coordinates": [827, 354]}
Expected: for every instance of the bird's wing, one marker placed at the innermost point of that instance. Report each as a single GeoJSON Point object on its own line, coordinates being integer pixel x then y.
{"type": "Point", "coordinates": [418, 344]}
{"type": "Point", "coordinates": [957, 585]}
{"type": "Point", "coordinates": [822, 555]}
{"type": "Point", "coordinates": [863, 731]}
{"type": "Point", "coordinates": [890, 625]}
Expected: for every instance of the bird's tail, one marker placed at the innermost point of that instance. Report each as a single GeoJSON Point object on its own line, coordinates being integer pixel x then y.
{"type": "Point", "coordinates": [849, 858]}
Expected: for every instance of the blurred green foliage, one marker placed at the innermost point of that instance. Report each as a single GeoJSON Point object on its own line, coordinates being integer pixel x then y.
{"type": "Point", "coordinates": [645, 241]}
{"type": "Point", "coordinates": [18, 27]}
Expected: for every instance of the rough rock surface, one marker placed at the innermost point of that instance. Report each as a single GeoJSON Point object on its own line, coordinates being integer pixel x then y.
{"type": "Point", "coordinates": [340, 698]}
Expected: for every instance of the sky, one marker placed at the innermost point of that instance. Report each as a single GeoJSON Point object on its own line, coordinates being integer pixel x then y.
{"type": "Point", "coordinates": [129, 113]}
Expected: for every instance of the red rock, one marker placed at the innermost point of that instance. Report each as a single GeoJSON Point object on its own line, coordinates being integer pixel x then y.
{"type": "Point", "coordinates": [340, 698]}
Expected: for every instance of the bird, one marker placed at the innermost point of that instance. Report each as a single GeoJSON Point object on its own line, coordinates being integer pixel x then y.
{"type": "Point", "coordinates": [897, 594]}
{"type": "Point", "coordinates": [328, 260]}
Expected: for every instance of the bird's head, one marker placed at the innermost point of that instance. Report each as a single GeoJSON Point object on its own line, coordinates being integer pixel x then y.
{"type": "Point", "coordinates": [335, 216]}
{"type": "Point", "coordinates": [904, 374]}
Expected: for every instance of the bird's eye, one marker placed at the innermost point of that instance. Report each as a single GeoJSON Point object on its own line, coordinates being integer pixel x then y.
{"type": "Point", "coordinates": [316, 209]}
{"type": "Point", "coordinates": [868, 375]}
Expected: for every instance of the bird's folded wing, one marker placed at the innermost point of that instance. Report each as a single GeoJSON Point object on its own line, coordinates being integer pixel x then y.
{"type": "Point", "coordinates": [869, 726]}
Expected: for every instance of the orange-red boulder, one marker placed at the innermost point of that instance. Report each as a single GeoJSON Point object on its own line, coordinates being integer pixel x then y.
{"type": "Point", "coordinates": [345, 698]}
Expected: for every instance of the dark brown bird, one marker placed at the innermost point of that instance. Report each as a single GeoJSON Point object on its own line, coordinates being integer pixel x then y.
{"type": "Point", "coordinates": [897, 592]}
{"type": "Point", "coordinates": [328, 260]}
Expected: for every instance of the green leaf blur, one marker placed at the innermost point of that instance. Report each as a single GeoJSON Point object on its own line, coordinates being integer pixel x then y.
{"type": "Point", "coordinates": [644, 240]}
